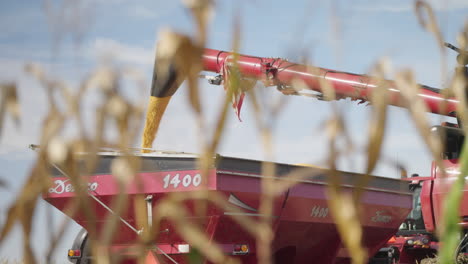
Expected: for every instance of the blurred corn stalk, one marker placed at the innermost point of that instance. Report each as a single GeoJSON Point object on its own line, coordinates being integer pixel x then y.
{"type": "Point", "coordinates": [57, 152]}
{"type": "Point", "coordinates": [116, 113]}
{"type": "Point", "coordinates": [9, 104]}
{"type": "Point", "coordinates": [449, 231]}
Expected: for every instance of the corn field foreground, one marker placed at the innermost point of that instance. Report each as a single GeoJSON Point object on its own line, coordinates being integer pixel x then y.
{"type": "Point", "coordinates": [67, 103]}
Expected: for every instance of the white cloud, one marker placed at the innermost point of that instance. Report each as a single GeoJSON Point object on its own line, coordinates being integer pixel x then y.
{"type": "Point", "coordinates": [142, 12]}
{"type": "Point", "coordinates": [385, 8]}
{"type": "Point", "coordinates": [10, 69]}
{"type": "Point", "coordinates": [116, 50]}
{"type": "Point", "coordinates": [408, 6]}
{"type": "Point", "coordinates": [149, 9]}
{"type": "Point", "coordinates": [449, 4]}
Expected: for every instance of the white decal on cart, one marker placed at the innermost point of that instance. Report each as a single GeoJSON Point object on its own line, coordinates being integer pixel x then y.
{"type": "Point", "coordinates": [381, 218]}
{"type": "Point", "coordinates": [318, 211]}
{"type": "Point", "coordinates": [61, 186]}
{"type": "Point", "coordinates": [187, 180]}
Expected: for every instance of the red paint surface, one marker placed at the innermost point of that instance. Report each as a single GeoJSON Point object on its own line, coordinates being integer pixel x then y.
{"type": "Point", "coordinates": [300, 234]}
{"type": "Point", "coordinates": [441, 186]}
{"type": "Point", "coordinates": [277, 71]}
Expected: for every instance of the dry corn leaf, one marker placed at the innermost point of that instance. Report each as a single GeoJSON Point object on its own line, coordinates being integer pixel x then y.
{"type": "Point", "coordinates": [9, 104]}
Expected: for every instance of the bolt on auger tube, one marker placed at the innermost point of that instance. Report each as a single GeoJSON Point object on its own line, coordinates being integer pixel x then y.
{"type": "Point", "coordinates": [280, 72]}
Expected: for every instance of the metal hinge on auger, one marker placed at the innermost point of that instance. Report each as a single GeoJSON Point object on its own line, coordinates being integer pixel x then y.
{"type": "Point", "coordinates": [290, 90]}
{"type": "Point", "coordinates": [212, 79]}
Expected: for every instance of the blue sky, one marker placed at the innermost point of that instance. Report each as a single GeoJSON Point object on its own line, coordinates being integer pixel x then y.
{"type": "Point", "coordinates": [342, 35]}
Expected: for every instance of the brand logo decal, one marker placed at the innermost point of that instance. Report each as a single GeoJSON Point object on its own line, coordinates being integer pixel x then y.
{"type": "Point", "coordinates": [318, 211]}
{"type": "Point", "coordinates": [381, 218]}
{"type": "Point", "coordinates": [65, 187]}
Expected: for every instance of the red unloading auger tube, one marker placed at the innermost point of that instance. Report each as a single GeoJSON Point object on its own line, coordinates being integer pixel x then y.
{"type": "Point", "coordinates": [277, 71]}
{"type": "Point", "coordinates": [274, 72]}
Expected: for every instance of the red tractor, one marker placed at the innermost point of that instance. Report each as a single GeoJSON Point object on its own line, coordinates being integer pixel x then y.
{"type": "Point", "coordinates": [416, 239]}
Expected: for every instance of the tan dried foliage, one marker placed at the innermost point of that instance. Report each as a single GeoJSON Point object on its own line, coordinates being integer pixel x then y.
{"type": "Point", "coordinates": [117, 113]}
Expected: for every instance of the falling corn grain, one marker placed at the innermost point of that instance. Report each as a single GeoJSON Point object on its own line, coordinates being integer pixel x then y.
{"type": "Point", "coordinates": [166, 81]}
